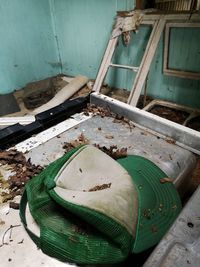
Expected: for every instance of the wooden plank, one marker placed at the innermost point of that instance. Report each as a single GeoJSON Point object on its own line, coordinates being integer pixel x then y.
{"type": "Point", "coordinates": [105, 64]}
{"type": "Point", "coordinates": [166, 48]}
{"type": "Point", "coordinates": [146, 62]}
{"type": "Point", "coordinates": [50, 133]}
{"type": "Point", "coordinates": [135, 69]}
{"type": "Point", "coordinates": [179, 16]}
{"type": "Point", "coordinates": [183, 74]}
{"type": "Point", "coordinates": [24, 120]}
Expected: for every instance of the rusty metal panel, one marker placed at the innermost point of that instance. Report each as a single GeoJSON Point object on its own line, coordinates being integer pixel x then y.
{"type": "Point", "coordinates": [175, 5]}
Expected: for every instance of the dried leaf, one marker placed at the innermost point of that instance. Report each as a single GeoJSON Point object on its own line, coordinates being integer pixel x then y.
{"type": "Point", "coordinates": [113, 151]}
{"type": "Point", "coordinates": [166, 180]}
{"type": "Point", "coordinates": [14, 205]}
{"type": "Point", "coordinates": [23, 170]}
{"type": "Point", "coordinates": [81, 140]}
{"type": "Point", "coordinates": [170, 141]}
{"type": "Point", "coordinates": [100, 187]}
{"type": "Point", "coordinates": [1, 222]}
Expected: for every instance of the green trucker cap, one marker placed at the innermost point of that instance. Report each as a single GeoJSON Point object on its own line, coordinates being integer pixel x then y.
{"type": "Point", "coordinates": [88, 208]}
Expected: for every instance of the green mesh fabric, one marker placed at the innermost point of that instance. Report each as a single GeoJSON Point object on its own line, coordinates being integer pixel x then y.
{"type": "Point", "coordinates": [67, 236]}
{"type": "Point", "coordinates": [77, 234]}
{"type": "Point", "coordinates": [159, 204]}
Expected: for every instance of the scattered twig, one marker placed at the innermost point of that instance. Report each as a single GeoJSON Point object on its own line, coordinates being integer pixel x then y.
{"type": "Point", "coordinates": [99, 187]}
{"type": "Point", "coordinates": [9, 229]}
{"type": "Point", "coordinates": [166, 180]}
{"type": "Point", "coordinates": [21, 242]}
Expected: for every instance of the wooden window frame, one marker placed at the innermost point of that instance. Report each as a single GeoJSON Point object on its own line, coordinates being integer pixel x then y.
{"type": "Point", "coordinates": [175, 72]}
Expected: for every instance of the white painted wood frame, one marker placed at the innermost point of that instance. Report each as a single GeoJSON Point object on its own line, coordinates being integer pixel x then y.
{"type": "Point", "coordinates": [106, 61]}
{"type": "Point", "coordinates": [176, 72]}
{"type": "Point", "coordinates": [146, 61]}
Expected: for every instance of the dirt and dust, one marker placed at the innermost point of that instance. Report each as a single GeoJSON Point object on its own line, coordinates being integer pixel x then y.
{"type": "Point", "coordinates": [81, 140]}
{"type": "Point", "coordinates": [174, 115]}
{"type": "Point", "coordinates": [100, 187]}
{"type": "Point", "coordinates": [113, 151]}
{"type": "Point", "coordinates": [194, 124]}
{"type": "Point", "coordinates": [196, 175]}
{"type": "Point", "coordinates": [105, 112]}
{"type": "Point", "coordinates": [98, 111]}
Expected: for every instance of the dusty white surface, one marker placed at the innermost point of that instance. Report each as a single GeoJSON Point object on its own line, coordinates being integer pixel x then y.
{"type": "Point", "coordinates": [20, 249]}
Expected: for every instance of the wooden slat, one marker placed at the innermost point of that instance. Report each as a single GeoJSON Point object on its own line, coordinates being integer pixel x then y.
{"type": "Point", "coordinates": [105, 64]}
{"type": "Point", "coordinates": [146, 62]}
{"type": "Point", "coordinates": [174, 72]}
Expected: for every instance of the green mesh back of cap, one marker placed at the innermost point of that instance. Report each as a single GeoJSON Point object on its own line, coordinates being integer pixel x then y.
{"type": "Point", "coordinates": [65, 235]}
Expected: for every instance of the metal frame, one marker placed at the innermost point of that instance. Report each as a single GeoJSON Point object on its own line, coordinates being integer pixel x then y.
{"type": "Point", "coordinates": [174, 132]}
{"type": "Point", "coordinates": [180, 246]}
{"type": "Point", "coordinates": [50, 133]}
{"type": "Point", "coordinates": [191, 111]}
{"type": "Point", "coordinates": [175, 72]}
{"type": "Point", "coordinates": [24, 120]}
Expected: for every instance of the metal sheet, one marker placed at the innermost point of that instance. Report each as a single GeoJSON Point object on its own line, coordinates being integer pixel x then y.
{"type": "Point", "coordinates": [183, 136]}
{"type": "Point", "coordinates": [175, 161]}
{"type": "Point", "coordinates": [180, 246]}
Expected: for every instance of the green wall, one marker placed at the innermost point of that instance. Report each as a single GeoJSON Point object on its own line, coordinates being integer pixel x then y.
{"type": "Point", "coordinates": [83, 28]}
{"type": "Point", "coordinates": [28, 49]}
{"type": "Point", "coordinates": [184, 51]}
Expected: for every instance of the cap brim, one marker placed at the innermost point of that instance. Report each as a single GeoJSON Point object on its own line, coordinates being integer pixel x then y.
{"type": "Point", "coordinates": [159, 203]}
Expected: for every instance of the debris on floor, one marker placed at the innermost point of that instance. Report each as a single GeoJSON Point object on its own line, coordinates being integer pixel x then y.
{"type": "Point", "coordinates": [9, 230]}
{"type": "Point", "coordinates": [113, 151]}
{"type": "Point", "coordinates": [105, 112]}
{"type": "Point", "coordinates": [174, 115]}
{"type": "Point", "coordinates": [14, 205]}
{"type": "Point", "coordinates": [100, 187]}
{"type": "Point", "coordinates": [98, 111]}
{"type": "Point", "coordinates": [124, 121]}
{"type": "Point", "coordinates": [35, 94]}
{"type": "Point", "coordinates": [38, 93]}
{"type": "Point", "coordinates": [81, 140]}
{"type": "Point", "coordinates": [21, 170]}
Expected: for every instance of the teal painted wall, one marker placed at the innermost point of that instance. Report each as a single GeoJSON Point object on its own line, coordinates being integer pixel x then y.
{"type": "Point", "coordinates": [184, 51]}
{"type": "Point", "coordinates": [83, 28]}
{"type": "Point", "coordinates": [41, 38]}
{"type": "Point", "coordinates": [130, 55]}
{"type": "Point", "coordinates": [28, 49]}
